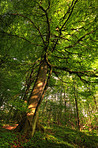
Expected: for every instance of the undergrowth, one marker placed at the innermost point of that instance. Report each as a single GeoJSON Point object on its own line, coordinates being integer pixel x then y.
{"type": "Point", "coordinates": [54, 137]}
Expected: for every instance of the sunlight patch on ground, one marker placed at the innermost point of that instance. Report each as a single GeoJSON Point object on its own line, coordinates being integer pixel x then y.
{"type": "Point", "coordinates": [9, 127]}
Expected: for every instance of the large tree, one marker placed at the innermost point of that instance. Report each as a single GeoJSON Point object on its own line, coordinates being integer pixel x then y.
{"type": "Point", "coordinates": [52, 38]}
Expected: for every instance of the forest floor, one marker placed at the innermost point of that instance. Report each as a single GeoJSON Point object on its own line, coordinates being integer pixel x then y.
{"type": "Point", "coordinates": [54, 137]}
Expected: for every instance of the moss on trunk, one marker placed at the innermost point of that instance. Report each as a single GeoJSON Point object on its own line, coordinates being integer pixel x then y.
{"type": "Point", "coordinates": [29, 122]}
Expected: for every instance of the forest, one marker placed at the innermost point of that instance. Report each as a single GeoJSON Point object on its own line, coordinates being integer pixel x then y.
{"type": "Point", "coordinates": [48, 73]}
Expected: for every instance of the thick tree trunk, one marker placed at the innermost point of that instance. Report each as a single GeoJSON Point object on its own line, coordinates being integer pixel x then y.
{"type": "Point", "coordinates": [29, 122]}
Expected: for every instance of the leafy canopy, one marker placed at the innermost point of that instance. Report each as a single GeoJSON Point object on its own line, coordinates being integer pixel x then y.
{"type": "Point", "coordinates": [62, 31]}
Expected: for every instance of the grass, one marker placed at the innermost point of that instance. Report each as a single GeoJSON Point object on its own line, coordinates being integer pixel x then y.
{"type": "Point", "coordinates": [55, 137]}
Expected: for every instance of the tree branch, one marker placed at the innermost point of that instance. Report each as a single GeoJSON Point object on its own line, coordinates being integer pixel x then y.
{"type": "Point", "coordinates": [59, 77]}
{"type": "Point", "coordinates": [79, 73]}
{"type": "Point", "coordinates": [48, 23]}
{"type": "Point", "coordinates": [9, 34]}
{"type": "Point", "coordinates": [60, 30]}
{"type": "Point", "coordinates": [31, 22]}
{"type": "Point", "coordinates": [68, 11]}
{"type": "Point", "coordinates": [80, 39]}
{"type": "Point", "coordinates": [84, 81]}
{"type": "Point", "coordinates": [60, 57]}
{"type": "Point", "coordinates": [72, 5]}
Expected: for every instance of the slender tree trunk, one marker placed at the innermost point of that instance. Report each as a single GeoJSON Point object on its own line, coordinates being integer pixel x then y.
{"type": "Point", "coordinates": [65, 105]}
{"type": "Point", "coordinates": [44, 109]}
{"type": "Point", "coordinates": [61, 106]}
{"type": "Point", "coordinates": [30, 120]}
{"type": "Point", "coordinates": [76, 104]}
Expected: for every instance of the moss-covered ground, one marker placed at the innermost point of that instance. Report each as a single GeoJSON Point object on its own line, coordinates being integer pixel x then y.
{"type": "Point", "coordinates": [54, 137]}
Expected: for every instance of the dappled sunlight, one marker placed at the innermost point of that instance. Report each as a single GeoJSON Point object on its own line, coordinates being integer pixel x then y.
{"type": "Point", "coordinates": [40, 84]}
{"type": "Point", "coordinates": [34, 97]}
{"type": "Point", "coordinates": [31, 106]}
{"type": "Point", "coordinates": [9, 127]}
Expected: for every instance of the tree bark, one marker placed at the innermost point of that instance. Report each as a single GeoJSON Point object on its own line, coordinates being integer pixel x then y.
{"type": "Point", "coordinates": [30, 120]}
